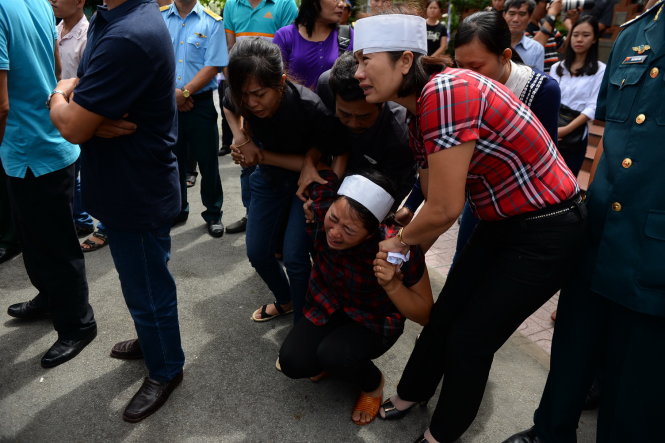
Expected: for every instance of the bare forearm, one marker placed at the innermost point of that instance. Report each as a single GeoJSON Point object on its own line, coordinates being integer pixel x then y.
{"type": "Point", "coordinates": [65, 121]}
{"type": "Point", "coordinates": [201, 79]}
{"type": "Point", "coordinates": [428, 225]}
{"type": "Point", "coordinates": [291, 162]}
{"type": "Point", "coordinates": [339, 164]}
{"type": "Point", "coordinates": [415, 303]}
{"type": "Point", "coordinates": [235, 123]}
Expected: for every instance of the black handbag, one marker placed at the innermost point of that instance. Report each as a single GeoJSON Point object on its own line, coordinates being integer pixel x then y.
{"type": "Point", "coordinates": [572, 140]}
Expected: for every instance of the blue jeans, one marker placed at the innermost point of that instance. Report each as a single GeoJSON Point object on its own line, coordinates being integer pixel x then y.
{"type": "Point", "coordinates": [141, 259]}
{"type": "Point", "coordinates": [245, 192]}
{"type": "Point", "coordinates": [266, 209]}
{"type": "Point", "coordinates": [81, 217]}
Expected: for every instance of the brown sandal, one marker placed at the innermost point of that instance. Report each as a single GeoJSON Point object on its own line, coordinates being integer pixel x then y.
{"type": "Point", "coordinates": [367, 404]}
{"type": "Point", "coordinates": [91, 245]}
{"type": "Point", "coordinates": [264, 316]}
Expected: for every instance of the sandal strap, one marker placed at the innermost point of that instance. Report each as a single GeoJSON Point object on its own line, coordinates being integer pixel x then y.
{"type": "Point", "coordinates": [264, 312]}
{"type": "Point", "coordinates": [367, 404]}
{"type": "Point", "coordinates": [279, 308]}
{"type": "Point", "coordinates": [100, 235]}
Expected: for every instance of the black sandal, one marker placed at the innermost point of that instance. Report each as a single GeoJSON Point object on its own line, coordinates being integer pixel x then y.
{"type": "Point", "coordinates": [264, 316]}
{"type": "Point", "coordinates": [392, 413]}
{"type": "Point", "coordinates": [92, 245]}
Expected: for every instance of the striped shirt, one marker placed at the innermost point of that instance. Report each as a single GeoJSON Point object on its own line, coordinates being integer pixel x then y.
{"type": "Point", "coordinates": [243, 21]}
{"type": "Point", "coordinates": [515, 167]}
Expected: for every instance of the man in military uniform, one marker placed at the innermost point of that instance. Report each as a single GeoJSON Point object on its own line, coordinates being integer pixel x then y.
{"type": "Point", "coordinates": [611, 315]}
{"type": "Point", "coordinates": [199, 43]}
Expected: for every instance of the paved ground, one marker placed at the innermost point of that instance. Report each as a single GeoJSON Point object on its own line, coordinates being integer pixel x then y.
{"type": "Point", "coordinates": [231, 390]}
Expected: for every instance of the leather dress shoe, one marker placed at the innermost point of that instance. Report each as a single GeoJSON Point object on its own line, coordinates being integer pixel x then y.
{"type": "Point", "coordinates": [528, 436]}
{"type": "Point", "coordinates": [237, 227]}
{"type": "Point", "coordinates": [127, 350]}
{"type": "Point", "coordinates": [27, 310]}
{"type": "Point", "coordinates": [65, 349]}
{"type": "Point", "coordinates": [149, 398]}
{"type": "Point", "coordinates": [215, 229]}
{"type": "Point", "coordinates": [9, 253]}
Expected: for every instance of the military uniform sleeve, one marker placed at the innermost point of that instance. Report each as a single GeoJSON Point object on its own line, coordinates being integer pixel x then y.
{"type": "Point", "coordinates": [216, 53]}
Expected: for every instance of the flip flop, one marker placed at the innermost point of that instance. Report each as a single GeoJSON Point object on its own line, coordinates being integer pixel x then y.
{"type": "Point", "coordinates": [264, 316]}
{"type": "Point", "coordinates": [367, 404]}
{"type": "Point", "coordinates": [92, 245]}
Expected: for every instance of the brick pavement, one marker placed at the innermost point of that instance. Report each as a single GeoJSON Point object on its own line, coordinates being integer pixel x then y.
{"type": "Point", "coordinates": [538, 328]}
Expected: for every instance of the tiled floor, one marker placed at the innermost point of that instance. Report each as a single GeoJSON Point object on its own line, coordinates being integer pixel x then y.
{"type": "Point", "coordinates": [538, 328]}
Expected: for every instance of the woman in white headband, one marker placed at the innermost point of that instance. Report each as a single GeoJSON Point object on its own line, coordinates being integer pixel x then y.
{"type": "Point", "coordinates": [473, 139]}
{"type": "Point", "coordinates": [357, 301]}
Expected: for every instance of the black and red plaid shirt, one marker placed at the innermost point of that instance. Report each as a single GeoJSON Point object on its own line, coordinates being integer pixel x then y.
{"type": "Point", "coordinates": [344, 280]}
{"type": "Point", "coordinates": [515, 167]}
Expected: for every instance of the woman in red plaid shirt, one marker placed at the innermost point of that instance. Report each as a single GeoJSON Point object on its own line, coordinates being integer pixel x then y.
{"type": "Point", "coordinates": [483, 145]}
{"type": "Point", "coordinates": [357, 301]}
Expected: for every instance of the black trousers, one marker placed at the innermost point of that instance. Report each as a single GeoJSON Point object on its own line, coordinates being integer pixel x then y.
{"type": "Point", "coordinates": [595, 335]}
{"type": "Point", "coordinates": [507, 270]}
{"type": "Point", "coordinates": [341, 347]}
{"type": "Point", "coordinates": [42, 211]}
{"type": "Point", "coordinates": [198, 138]}
{"type": "Point", "coordinates": [8, 237]}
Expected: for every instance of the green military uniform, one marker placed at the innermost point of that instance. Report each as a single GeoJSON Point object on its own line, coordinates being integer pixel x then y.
{"type": "Point", "coordinates": [611, 317]}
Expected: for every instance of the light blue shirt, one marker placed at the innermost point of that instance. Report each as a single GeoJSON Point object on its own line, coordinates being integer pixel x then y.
{"type": "Point", "coordinates": [27, 42]}
{"type": "Point", "coordinates": [532, 52]}
{"type": "Point", "coordinates": [198, 41]}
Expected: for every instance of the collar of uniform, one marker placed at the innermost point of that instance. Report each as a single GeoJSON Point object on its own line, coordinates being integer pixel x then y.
{"type": "Point", "coordinates": [198, 9]}
{"type": "Point", "coordinates": [644, 14]}
{"type": "Point", "coordinates": [115, 13]}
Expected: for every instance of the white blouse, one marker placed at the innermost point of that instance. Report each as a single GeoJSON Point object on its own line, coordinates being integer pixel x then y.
{"type": "Point", "coordinates": [581, 92]}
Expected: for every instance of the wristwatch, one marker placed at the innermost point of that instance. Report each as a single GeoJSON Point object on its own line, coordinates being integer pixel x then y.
{"type": "Point", "coordinates": [186, 93]}
{"type": "Point", "coordinates": [50, 96]}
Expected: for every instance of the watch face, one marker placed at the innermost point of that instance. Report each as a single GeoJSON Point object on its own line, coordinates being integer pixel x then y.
{"type": "Point", "coordinates": [185, 93]}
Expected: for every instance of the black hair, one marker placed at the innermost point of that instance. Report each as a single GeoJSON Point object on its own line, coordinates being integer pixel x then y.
{"type": "Point", "coordinates": [254, 57]}
{"type": "Point", "coordinates": [490, 28]}
{"type": "Point", "coordinates": [517, 4]}
{"type": "Point", "coordinates": [342, 81]}
{"type": "Point", "coordinates": [590, 66]}
{"type": "Point", "coordinates": [438, 2]}
{"type": "Point", "coordinates": [308, 13]}
{"type": "Point", "coordinates": [367, 219]}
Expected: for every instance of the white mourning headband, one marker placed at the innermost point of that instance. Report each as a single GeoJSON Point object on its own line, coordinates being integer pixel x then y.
{"type": "Point", "coordinates": [368, 194]}
{"type": "Point", "coordinates": [390, 32]}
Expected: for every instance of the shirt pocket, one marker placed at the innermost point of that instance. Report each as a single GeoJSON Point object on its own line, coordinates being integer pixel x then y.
{"type": "Point", "coordinates": [196, 47]}
{"type": "Point", "coordinates": [624, 85]}
{"type": "Point", "coordinates": [651, 272]}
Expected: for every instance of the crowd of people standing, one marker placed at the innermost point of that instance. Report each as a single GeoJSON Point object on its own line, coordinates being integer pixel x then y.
{"type": "Point", "coordinates": [334, 126]}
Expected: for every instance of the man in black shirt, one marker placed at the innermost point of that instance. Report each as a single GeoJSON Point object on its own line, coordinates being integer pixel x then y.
{"type": "Point", "coordinates": [371, 136]}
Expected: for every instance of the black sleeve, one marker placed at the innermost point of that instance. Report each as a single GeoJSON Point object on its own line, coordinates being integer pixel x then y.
{"type": "Point", "coordinates": [324, 92]}
{"type": "Point", "coordinates": [228, 101]}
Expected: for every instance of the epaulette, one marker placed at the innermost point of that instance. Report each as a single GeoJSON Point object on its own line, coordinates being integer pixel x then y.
{"type": "Point", "coordinates": [630, 22]}
{"type": "Point", "coordinates": [212, 14]}
{"type": "Point", "coordinates": [164, 8]}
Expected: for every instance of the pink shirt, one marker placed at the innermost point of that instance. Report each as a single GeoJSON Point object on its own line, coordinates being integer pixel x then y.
{"type": "Point", "coordinates": [71, 47]}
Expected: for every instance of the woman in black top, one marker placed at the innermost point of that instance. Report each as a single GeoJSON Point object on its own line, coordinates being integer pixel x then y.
{"type": "Point", "coordinates": [437, 34]}
{"type": "Point", "coordinates": [282, 121]}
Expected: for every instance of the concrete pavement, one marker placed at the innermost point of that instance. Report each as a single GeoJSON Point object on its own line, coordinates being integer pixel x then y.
{"type": "Point", "coordinates": [231, 391]}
